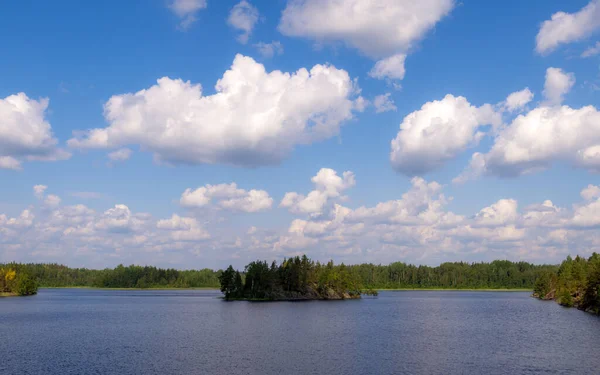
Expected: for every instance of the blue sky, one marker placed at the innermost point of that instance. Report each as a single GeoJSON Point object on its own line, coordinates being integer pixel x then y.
{"type": "Point", "coordinates": [403, 204]}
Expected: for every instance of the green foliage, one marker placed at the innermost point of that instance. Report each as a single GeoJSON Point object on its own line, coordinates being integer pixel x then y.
{"type": "Point", "coordinates": [591, 297]}
{"type": "Point", "coordinates": [566, 299]}
{"type": "Point", "coordinates": [499, 274]}
{"type": "Point", "coordinates": [14, 279]}
{"type": "Point", "coordinates": [294, 278]}
{"type": "Point", "coordinates": [227, 279]}
{"type": "Point", "coordinates": [54, 275]}
{"type": "Point", "coordinates": [543, 285]}
{"type": "Point", "coordinates": [297, 273]}
{"type": "Point", "coordinates": [576, 283]}
{"type": "Point", "coordinates": [26, 285]}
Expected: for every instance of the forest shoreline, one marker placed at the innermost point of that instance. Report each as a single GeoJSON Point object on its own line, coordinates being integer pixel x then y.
{"type": "Point", "coordinates": [456, 289]}
{"type": "Point", "coordinates": [378, 289]}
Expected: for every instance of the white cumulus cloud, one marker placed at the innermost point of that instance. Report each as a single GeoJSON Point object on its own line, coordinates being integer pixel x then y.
{"type": "Point", "coordinates": [382, 29]}
{"type": "Point", "coordinates": [243, 17]}
{"type": "Point", "coordinates": [328, 187]}
{"type": "Point", "coordinates": [500, 213]}
{"type": "Point", "coordinates": [518, 100]}
{"type": "Point", "coordinates": [563, 28]}
{"type": "Point", "coordinates": [25, 135]}
{"type": "Point", "coordinates": [416, 227]}
{"type": "Point", "coordinates": [590, 192]}
{"type": "Point", "coordinates": [532, 142]}
{"type": "Point", "coordinates": [557, 85]}
{"type": "Point", "coordinates": [391, 67]}
{"type": "Point", "coordinates": [438, 132]}
{"type": "Point", "coordinates": [183, 228]}
{"type": "Point", "coordinates": [255, 117]}
{"type": "Point", "coordinates": [549, 133]}
{"type": "Point", "coordinates": [227, 196]}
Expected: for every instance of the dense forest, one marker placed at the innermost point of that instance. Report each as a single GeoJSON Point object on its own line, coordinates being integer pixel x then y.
{"type": "Point", "coordinates": [575, 284]}
{"type": "Point", "coordinates": [15, 280]}
{"type": "Point", "coordinates": [499, 274]}
{"type": "Point", "coordinates": [294, 279]}
{"type": "Point", "coordinates": [55, 275]}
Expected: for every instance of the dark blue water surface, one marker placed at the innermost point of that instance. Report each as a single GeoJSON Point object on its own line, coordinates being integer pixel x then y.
{"type": "Point", "coordinates": [78, 331]}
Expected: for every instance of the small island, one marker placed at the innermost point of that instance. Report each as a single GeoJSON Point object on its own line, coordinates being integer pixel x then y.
{"type": "Point", "coordinates": [295, 279]}
{"type": "Point", "coordinates": [16, 282]}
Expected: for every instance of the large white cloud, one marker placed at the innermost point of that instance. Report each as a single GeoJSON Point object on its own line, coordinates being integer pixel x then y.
{"type": "Point", "coordinates": [438, 132]}
{"type": "Point", "coordinates": [564, 28]}
{"type": "Point", "coordinates": [25, 135]}
{"type": "Point", "coordinates": [255, 118]}
{"type": "Point", "coordinates": [535, 140]}
{"type": "Point", "coordinates": [227, 196]}
{"type": "Point", "coordinates": [548, 133]}
{"type": "Point", "coordinates": [378, 28]}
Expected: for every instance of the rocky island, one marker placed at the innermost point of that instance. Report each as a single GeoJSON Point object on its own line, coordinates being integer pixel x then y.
{"type": "Point", "coordinates": [295, 279]}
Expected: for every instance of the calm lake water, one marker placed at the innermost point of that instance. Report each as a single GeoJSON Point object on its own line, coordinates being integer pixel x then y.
{"type": "Point", "coordinates": [78, 331]}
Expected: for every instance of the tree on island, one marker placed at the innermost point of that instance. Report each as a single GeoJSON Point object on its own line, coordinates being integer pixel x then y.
{"type": "Point", "coordinates": [294, 279]}
{"type": "Point", "coordinates": [227, 280]}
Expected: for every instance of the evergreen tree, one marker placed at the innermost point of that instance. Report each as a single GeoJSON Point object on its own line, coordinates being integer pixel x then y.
{"type": "Point", "coordinates": [227, 280]}
{"type": "Point", "coordinates": [238, 286]}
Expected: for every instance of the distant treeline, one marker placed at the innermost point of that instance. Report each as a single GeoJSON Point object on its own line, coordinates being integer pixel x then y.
{"type": "Point", "coordinates": [575, 284]}
{"type": "Point", "coordinates": [56, 275]}
{"type": "Point", "coordinates": [498, 274]}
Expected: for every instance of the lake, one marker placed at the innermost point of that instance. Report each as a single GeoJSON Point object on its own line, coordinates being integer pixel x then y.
{"type": "Point", "coordinates": [86, 331]}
